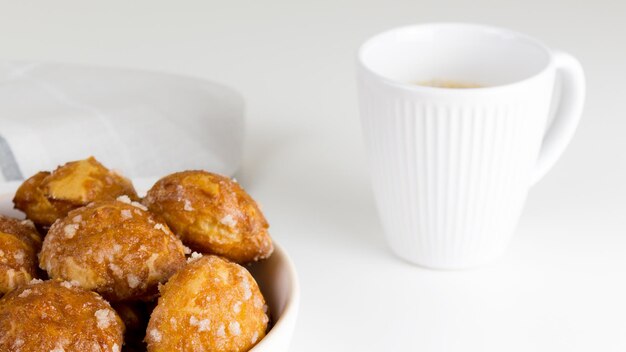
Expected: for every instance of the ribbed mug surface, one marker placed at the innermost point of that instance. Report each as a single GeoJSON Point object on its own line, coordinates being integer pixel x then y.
{"type": "Point", "coordinates": [451, 176]}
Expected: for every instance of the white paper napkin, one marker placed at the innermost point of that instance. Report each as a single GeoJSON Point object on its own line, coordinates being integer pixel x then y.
{"type": "Point", "coordinates": [142, 123]}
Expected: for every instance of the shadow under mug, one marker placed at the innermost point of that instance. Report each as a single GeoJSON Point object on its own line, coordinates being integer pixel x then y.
{"type": "Point", "coordinates": [451, 168]}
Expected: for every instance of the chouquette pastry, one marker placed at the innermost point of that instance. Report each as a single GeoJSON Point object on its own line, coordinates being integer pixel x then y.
{"type": "Point", "coordinates": [210, 305]}
{"type": "Point", "coordinates": [212, 214]}
{"type": "Point", "coordinates": [19, 244]}
{"type": "Point", "coordinates": [48, 196]}
{"type": "Point", "coordinates": [116, 248]}
{"type": "Point", "coordinates": [32, 200]}
{"type": "Point", "coordinates": [58, 316]}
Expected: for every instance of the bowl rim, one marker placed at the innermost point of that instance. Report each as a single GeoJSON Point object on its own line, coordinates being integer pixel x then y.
{"type": "Point", "coordinates": [290, 311]}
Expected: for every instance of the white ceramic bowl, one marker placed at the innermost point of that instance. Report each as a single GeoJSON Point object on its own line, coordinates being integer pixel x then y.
{"type": "Point", "coordinates": [276, 277]}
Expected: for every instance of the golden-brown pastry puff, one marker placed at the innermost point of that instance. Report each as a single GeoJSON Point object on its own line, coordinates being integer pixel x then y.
{"type": "Point", "coordinates": [212, 214]}
{"type": "Point", "coordinates": [116, 248]}
{"type": "Point", "coordinates": [46, 197]}
{"type": "Point", "coordinates": [58, 316]}
{"type": "Point", "coordinates": [210, 305]}
{"type": "Point", "coordinates": [19, 245]}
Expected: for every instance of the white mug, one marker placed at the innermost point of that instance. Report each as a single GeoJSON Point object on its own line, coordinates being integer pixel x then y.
{"type": "Point", "coordinates": [451, 167]}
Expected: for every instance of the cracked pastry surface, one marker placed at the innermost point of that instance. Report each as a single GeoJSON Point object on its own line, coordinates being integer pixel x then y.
{"type": "Point", "coordinates": [210, 305]}
{"type": "Point", "coordinates": [212, 214]}
{"type": "Point", "coordinates": [48, 196]}
{"type": "Point", "coordinates": [58, 316]}
{"type": "Point", "coordinates": [115, 248]}
{"type": "Point", "coordinates": [19, 244]}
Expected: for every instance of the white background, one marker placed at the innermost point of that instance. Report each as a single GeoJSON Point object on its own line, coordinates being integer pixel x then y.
{"type": "Point", "coordinates": [561, 286]}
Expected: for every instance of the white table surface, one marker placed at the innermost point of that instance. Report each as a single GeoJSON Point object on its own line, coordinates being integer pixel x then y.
{"type": "Point", "coordinates": [562, 284]}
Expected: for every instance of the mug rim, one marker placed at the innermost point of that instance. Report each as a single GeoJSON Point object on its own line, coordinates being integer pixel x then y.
{"type": "Point", "coordinates": [476, 26]}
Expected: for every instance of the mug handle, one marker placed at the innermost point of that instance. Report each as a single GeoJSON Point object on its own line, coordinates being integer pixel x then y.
{"type": "Point", "coordinates": [570, 75]}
